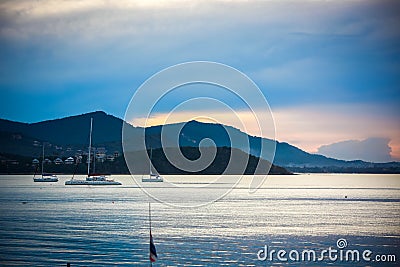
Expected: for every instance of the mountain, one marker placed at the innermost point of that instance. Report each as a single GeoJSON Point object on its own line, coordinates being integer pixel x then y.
{"type": "Point", "coordinates": [69, 130]}
{"type": "Point", "coordinates": [220, 163]}
{"type": "Point", "coordinates": [63, 136]}
{"type": "Point", "coordinates": [68, 135]}
{"type": "Point", "coordinates": [193, 132]}
{"type": "Point", "coordinates": [286, 155]}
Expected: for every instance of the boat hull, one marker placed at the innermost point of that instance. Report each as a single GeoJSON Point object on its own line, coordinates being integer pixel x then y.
{"type": "Point", "coordinates": [85, 182]}
{"type": "Point", "coordinates": [48, 180]}
{"type": "Point", "coordinates": [148, 180]}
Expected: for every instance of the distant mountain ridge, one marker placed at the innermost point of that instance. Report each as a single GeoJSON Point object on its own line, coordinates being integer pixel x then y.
{"type": "Point", "coordinates": [69, 130]}
{"type": "Point", "coordinates": [285, 155]}
{"type": "Point", "coordinates": [107, 131]}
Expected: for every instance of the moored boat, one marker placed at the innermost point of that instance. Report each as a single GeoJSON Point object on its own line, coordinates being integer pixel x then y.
{"type": "Point", "coordinates": [92, 179]}
{"type": "Point", "coordinates": [45, 177]}
{"type": "Point", "coordinates": [153, 177]}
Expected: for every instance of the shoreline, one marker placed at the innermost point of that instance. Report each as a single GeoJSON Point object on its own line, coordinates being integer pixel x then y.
{"type": "Point", "coordinates": [205, 174]}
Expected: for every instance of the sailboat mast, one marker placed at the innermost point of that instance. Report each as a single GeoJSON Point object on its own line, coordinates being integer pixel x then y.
{"type": "Point", "coordinates": [94, 160]}
{"type": "Point", "coordinates": [150, 218]}
{"type": "Point", "coordinates": [42, 158]}
{"type": "Point", "coordinates": [90, 146]}
{"type": "Point", "coordinates": [153, 252]}
{"type": "Point", "coordinates": [151, 263]}
{"type": "Point", "coordinates": [151, 156]}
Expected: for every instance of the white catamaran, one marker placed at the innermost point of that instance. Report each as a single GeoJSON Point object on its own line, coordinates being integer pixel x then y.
{"type": "Point", "coordinates": [92, 179]}
{"type": "Point", "coordinates": [153, 177]}
{"type": "Point", "coordinates": [46, 177]}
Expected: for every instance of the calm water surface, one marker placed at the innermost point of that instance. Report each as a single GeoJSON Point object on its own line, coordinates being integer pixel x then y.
{"type": "Point", "coordinates": [49, 224]}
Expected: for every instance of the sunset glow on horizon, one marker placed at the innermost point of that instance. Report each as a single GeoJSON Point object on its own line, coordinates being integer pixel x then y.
{"type": "Point", "coordinates": [305, 127]}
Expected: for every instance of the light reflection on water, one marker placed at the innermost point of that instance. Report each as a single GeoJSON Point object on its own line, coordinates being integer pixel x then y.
{"type": "Point", "coordinates": [51, 224]}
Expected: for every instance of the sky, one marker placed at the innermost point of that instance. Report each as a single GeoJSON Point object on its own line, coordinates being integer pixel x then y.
{"type": "Point", "coordinates": [330, 70]}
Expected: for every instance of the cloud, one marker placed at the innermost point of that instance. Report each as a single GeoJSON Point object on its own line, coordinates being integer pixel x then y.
{"type": "Point", "coordinates": [64, 40]}
{"type": "Point", "coordinates": [373, 149]}
{"type": "Point", "coordinates": [310, 126]}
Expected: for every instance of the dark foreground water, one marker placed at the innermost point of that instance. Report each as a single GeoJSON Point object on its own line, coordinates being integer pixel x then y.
{"type": "Point", "coordinates": [52, 224]}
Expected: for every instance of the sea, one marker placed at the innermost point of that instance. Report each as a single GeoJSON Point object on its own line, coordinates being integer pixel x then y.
{"type": "Point", "coordinates": [203, 221]}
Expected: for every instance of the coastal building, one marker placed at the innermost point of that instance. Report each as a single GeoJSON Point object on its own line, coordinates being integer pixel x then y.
{"type": "Point", "coordinates": [58, 161]}
{"type": "Point", "coordinates": [69, 160]}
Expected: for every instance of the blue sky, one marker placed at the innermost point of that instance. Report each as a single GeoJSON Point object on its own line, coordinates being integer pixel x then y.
{"type": "Point", "coordinates": [329, 69]}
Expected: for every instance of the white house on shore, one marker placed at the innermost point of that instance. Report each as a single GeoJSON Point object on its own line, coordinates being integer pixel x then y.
{"type": "Point", "coordinates": [69, 160]}
{"type": "Point", "coordinates": [58, 161]}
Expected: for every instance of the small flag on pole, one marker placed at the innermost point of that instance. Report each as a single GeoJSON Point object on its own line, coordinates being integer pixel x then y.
{"type": "Point", "coordinates": [153, 252]}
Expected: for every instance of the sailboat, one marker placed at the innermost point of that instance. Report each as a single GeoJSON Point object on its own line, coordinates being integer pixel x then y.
{"type": "Point", "coordinates": [92, 179]}
{"type": "Point", "coordinates": [46, 177]}
{"type": "Point", "coordinates": [153, 177]}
